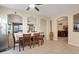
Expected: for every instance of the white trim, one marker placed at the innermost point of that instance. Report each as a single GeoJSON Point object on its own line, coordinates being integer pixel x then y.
{"type": "Point", "coordinates": [74, 44]}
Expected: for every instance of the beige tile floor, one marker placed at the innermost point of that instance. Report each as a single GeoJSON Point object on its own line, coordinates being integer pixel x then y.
{"type": "Point", "coordinates": [50, 47]}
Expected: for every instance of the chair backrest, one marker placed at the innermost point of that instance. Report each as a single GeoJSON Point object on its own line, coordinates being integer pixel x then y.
{"type": "Point", "coordinates": [42, 34]}
{"type": "Point", "coordinates": [27, 36]}
{"type": "Point", "coordinates": [36, 34]}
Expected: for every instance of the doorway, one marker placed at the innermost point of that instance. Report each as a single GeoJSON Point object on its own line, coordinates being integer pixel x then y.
{"type": "Point", "coordinates": [43, 27]}
{"type": "Point", "coordinates": [62, 28]}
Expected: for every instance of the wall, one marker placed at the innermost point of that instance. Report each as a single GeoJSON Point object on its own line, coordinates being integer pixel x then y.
{"type": "Point", "coordinates": [13, 18]}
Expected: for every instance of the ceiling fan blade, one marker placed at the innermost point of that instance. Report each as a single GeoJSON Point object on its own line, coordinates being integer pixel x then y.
{"type": "Point", "coordinates": [28, 8]}
{"type": "Point", "coordinates": [38, 4]}
{"type": "Point", "coordinates": [36, 8]}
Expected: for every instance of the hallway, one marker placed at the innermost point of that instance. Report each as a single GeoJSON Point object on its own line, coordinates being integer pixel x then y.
{"type": "Point", "coordinates": [50, 47]}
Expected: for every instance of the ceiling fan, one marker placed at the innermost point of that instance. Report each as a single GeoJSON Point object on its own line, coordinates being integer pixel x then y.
{"type": "Point", "coordinates": [33, 6]}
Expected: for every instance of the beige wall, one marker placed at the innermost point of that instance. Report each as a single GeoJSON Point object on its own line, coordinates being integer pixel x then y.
{"type": "Point", "coordinates": [14, 18]}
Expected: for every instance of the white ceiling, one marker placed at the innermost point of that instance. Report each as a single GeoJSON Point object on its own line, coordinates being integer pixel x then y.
{"type": "Point", "coordinates": [46, 9]}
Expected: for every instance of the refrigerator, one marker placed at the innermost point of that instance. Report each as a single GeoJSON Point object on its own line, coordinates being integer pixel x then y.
{"type": "Point", "coordinates": [3, 35]}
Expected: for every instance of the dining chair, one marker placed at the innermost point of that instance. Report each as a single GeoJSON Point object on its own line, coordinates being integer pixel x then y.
{"type": "Point", "coordinates": [36, 39]}
{"type": "Point", "coordinates": [41, 39]}
{"type": "Point", "coordinates": [27, 40]}
{"type": "Point", "coordinates": [19, 42]}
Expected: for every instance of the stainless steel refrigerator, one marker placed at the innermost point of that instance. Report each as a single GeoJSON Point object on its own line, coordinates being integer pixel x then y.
{"type": "Point", "coordinates": [3, 35]}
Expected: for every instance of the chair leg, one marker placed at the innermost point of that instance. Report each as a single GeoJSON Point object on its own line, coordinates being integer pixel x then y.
{"type": "Point", "coordinates": [38, 43]}
{"type": "Point", "coordinates": [19, 46]}
{"type": "Point", "coordinates": [14, 46]}
{"type": "Point", "coordinates": [30, 45]}
{"type": "Point", "coordinates": [42, 42]}
{"type": "Point", "coordinates": [23, 48]}
{"type": "Point", "coordinates": [33, 44]}
{"type": "Point", "coordinates": [23, 45]}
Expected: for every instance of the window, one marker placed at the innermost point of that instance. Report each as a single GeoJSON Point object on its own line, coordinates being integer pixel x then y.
{"type": "Point", "coordinates": [17, 27]}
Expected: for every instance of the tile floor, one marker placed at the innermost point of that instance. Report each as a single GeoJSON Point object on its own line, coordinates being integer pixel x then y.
{"type": "Point", "coordinates": [50, 47]}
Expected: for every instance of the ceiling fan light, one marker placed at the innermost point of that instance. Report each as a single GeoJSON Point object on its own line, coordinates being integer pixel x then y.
{"type": "Point", "coordinates": [32, 6]}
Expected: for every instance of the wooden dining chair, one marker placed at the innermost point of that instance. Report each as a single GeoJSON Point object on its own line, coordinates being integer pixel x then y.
{"type": "Point", "coordinates": [41, 39]}
{"type": "Point", "coordinates": [27, 40]}
{"type": "Point", "coordinates": [35, 39]}
{"type": "Point", "coordinates": [19, 42]}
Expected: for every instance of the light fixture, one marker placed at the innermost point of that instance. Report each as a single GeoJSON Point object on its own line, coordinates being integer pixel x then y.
{"type": "Point", "coordinates": [32, 6]}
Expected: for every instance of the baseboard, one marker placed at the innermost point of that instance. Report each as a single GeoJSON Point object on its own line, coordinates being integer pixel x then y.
{"type": "Point", "coordinates": [74, 44]}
